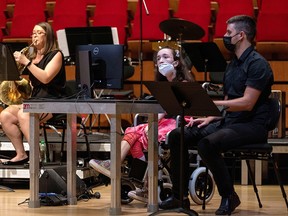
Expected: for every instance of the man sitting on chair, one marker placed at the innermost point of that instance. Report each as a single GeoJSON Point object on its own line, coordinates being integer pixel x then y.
{"type": "Point", "coordinates": [247, 86]}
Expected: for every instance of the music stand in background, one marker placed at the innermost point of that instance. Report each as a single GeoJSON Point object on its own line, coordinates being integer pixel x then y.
{"type": "Point", "coordinates": [182, 98]}
{"type": "Point", "coordinates": [8, 66]}
{"type": "Point", "coordinates": [205, 56]}
{"type": "Point", "coordinates": [8, 71]}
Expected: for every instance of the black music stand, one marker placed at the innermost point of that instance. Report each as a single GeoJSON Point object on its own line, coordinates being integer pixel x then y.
{"type": "Point", "coordinates": [8, 66]}
{"type": "Point", "coordinates": [184, 98]}
{"type": "Point", "coordinates": [205, 56]}
{"type": "Point", "coordinates": [8, 71]}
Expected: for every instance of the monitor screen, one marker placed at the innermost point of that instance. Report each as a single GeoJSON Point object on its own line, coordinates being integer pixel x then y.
{"type": "Point", "coordinates": [8, 66]}
{"type": "Point", "coordinates": [99, 67]}
{"type": "Point", "coordinates": [69, 38]}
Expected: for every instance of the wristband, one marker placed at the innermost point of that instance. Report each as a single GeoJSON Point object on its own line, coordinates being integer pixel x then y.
{"type": "Point", "coordinates": [29, 63]}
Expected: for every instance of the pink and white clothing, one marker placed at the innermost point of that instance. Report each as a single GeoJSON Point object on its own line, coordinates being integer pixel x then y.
{"type": "Point", "coordinates": [137, 138]}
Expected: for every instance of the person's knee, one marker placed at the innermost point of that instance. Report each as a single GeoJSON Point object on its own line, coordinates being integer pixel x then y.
{"type": "Point", "coordinates": [173, 136]}
{"type": "Point", "coordinates": [22, 117]}
{"type": "Point", "coordinates": [4, 116]}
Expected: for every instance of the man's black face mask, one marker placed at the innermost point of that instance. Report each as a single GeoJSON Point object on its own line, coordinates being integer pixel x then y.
{"type": "Point", "coordinates": [228, 44]}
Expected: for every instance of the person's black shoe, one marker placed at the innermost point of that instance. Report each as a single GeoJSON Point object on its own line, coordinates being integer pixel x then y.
{"type": "Point", "coordinates": [172, 203]}
{"type": "Point", "coordinates": [21, 162]}
{"type": "Point", "coordinates": [228, 205]}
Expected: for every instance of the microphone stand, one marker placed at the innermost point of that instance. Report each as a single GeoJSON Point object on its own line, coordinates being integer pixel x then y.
{"type": "Point", "coordinates": [141, 43]}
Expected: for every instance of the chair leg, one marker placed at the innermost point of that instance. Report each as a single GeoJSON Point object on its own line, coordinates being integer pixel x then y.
{"type": "Point", "coordinates": [253, 183]}
{"type": "Point", "coordinates": [280, 182]}
{"type": "Point", "coordinates": [46, 143]}
{"type": "Point", "coordinates": [62, 143]}
{"type": "Point", "coordinates": [86, 140]}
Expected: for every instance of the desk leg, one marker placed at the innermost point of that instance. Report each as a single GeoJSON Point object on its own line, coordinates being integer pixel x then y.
{"type": "Point", "coordinates": [34, 201]}
{"type": "Point", "coordinates": [244, 173]}
{"type": "Point", "coordinates": [258, 172]}
{"type": "Point", "coordinates": [115, 139]}
{"type": "Point", "coordinates": [71, 158]}
{"type": "Point", "coordinates": [152, 163]}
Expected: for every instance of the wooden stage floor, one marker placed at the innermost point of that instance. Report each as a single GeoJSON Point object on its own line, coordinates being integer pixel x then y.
{"type": "Point", "coordinates": [273, 204]}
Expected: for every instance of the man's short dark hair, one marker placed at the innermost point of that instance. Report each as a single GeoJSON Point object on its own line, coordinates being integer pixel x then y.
{"type": "Point", "coordinates": [246, 24]}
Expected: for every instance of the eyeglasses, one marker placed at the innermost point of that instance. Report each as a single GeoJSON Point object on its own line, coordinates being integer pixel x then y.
{"type": "Point", "coordinates": [37, 33]}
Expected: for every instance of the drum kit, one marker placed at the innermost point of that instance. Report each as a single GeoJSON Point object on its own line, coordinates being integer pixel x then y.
{"type": "Point", "coordinates": [205, 56]}
{"type": "Point", "coordinates": [178, 30]}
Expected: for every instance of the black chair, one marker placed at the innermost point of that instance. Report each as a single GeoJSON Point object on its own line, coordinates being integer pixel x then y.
{"type": "Point", "coordinates": [259, 151]}
{"type": "Point", "coordinates": [58, 123]}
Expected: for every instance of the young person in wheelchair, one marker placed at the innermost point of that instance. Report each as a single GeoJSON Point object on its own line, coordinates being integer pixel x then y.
{"type": "Point", "coordinates": [169, 66]}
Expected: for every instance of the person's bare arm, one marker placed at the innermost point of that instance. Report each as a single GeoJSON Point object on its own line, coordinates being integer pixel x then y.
{"type": "Point", "coordinates": [245, 103]}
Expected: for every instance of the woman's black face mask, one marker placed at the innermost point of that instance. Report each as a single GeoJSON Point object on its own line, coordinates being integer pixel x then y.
{"type": "Point", "coordinates": [228, 44]}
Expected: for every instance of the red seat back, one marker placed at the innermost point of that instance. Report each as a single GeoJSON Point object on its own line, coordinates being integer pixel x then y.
{"type": "Point", "coordinates": [158, 12]}
{"type": "Point", "coordinates": [196, 11]}
{"type": "Point", "coordinates": [26, 15]}
{"type": "Point", "coordinates": [69, 13]}
{"type": "Point", "coordinates": [227, 9]}
{"type": "Point", "coordinates": [116, 16]}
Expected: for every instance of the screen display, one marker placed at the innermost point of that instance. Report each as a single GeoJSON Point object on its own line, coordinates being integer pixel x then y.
{"type": "Point", "coordinates": [99, 67]}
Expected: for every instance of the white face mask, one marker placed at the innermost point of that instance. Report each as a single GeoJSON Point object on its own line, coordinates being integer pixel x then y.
{"type": "Point", "coordinates": [167, 69]}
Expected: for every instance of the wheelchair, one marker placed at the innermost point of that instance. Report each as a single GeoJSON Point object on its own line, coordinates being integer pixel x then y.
{"type": "Point", "coordinates": [134, 174]}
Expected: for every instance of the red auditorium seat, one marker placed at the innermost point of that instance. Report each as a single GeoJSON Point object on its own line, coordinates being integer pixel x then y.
{"type": "Point", "coordinates": [26, 14]}
{"type": "Point", "coordinates": [227, 9]}
{"type": "Point", "coordinates": [2, 17]}
{"type": "Point", "coordinates": [196, 11]}
{"type": "Point", "coordinates": [272, 34]}
{"type": "Point", "coordinates": [116, 16]}
{"type": "Point", "coordinates": [69, 13]}
{"type": "Point", "coordinates": [158, 12]}
{"type": "Point", "coordinates": [10, 1]}
{"type": "Point", "coordinates": [92, 2]}
{"type": "Point", "coordinates": [259, 3]}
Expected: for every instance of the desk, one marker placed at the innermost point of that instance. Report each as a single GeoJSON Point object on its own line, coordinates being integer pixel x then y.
{"type": "Point", "coordinates": [114, 108]}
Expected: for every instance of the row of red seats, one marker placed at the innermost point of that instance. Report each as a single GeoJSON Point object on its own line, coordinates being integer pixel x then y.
{"type": "Point", "coordinates": [195, 11]}
{"type": "Point", "coordinates": [72, 13]}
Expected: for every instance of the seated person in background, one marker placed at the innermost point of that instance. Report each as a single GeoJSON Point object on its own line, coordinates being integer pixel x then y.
{"type": "Point", "coordinates": [46, 71]}
{"type": "Point", "coordinates": [247, 85]}
{"type": "Point", "coordinates": [169, 67]}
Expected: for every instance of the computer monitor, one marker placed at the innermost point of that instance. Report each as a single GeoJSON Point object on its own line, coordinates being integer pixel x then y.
{"type": "Point", "coordinates": [8, 66]}
{"type": "Point", "coordinates": [69, 38]}
{"type": "Point", "coordinates": [99, 67]}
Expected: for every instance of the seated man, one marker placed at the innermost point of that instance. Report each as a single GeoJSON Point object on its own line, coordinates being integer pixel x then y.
{"type": "Point", "coordinates": [247, 86]}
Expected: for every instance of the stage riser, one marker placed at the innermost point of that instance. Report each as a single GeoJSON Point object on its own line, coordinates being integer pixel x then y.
{"type": "Point", "coordinates": [23, 173]}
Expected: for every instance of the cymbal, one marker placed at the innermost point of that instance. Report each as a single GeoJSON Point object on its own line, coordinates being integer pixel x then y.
{"type": "Point", "coordinates": [181, 29]}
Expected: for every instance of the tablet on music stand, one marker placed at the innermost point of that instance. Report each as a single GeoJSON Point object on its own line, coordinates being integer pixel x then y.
{"type": "Point", "coordinates": [8, 66]}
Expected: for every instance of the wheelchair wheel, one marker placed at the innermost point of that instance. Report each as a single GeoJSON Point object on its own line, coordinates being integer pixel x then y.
{"type": "Point", "coordinates": [126, 187]}
{"type": "Point", "coordinates": [165, 192]}
{"type": "Point", "coordinates": [197, 183]}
